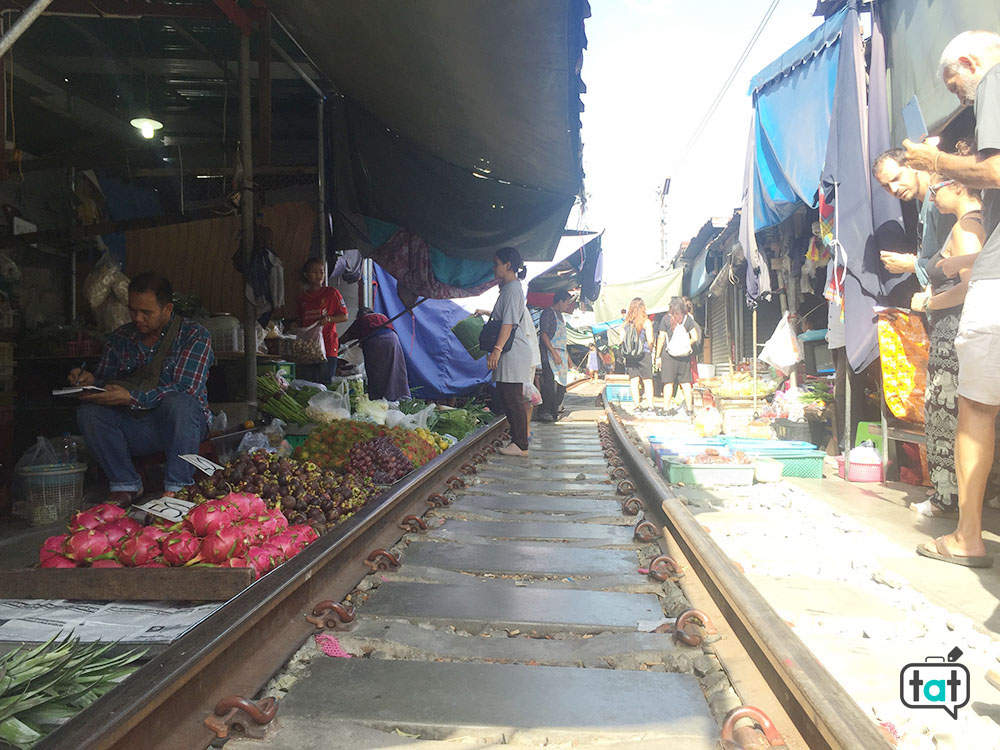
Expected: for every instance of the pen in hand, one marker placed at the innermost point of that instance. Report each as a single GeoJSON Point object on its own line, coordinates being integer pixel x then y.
{"type": "Point", "coordinates": [82, 369]}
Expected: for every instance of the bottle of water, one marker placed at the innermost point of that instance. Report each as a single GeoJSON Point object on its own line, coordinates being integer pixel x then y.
{"type": "Point", "coordinates": [66, 449]}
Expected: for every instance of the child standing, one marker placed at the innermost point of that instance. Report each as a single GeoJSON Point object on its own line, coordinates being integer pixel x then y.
{"type": "Point", "coordinates": [320, 303]}
{"type": "Point", "coordinates": [593, 362]}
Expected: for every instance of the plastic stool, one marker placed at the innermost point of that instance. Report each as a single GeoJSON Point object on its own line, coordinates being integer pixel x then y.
{"type": "Point", "coordinates": [869, 431]}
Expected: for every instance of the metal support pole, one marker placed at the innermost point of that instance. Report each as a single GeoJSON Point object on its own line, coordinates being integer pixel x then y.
{"type": "Point", "coordinates": [72, 285]}
{"type": "Point", "coordinates": [247, 223]}
{"type": "Point", "coordinates": [321, 179]}
{"type": "Point", "coordinates": [21, 24]}
{"type": "Point", "coordinates": [847, 418]}
{"type": "Point", "coordinates": [754, 363]}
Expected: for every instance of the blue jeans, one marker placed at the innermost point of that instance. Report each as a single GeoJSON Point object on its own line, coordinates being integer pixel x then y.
{"type": "Point", "coordinates": [114, 434]}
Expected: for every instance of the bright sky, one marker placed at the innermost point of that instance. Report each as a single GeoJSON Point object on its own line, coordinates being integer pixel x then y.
{"type": "Point", "coordinates": [652, 69]}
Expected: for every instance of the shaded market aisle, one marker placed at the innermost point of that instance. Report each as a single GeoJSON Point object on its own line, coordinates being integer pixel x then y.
{"type": "Point", "coordinates": [516, 619]}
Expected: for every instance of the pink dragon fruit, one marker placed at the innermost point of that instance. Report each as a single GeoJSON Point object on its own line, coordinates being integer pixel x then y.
{"type": "Point", "coordinates": [223, 544]}
{"type": "Point", "coordinates": [245, 503]}
{"type": "Point", "coordinates": [136, 551]}
{"type": "Point", "coordinates": [52, 546]}
{"type": "Point", "coordinates": [152, 565]}
{"type": "Point", "coordinates": [280, 522]}
{"type": "Point", "coordinates": [85, 519]}
{"type": "Point", "coordinates": [107, 564]}
{"type": "Point", "coordinates": [305, 532]}
{"type": "Point", "coordinates": [58, 561]}
{"type": "Point", "coordinates": [180, 548]}
{"type": "Point", "coordinates": [131, 526]}
{"type": "Point", "coordinates": [108, 512]}
{"type": "Point", "coordinates": [262, 558]}
{"type": "Point", "coordinates": [205, 518]}
{"type": "Point", "coordinates": [114, 531]}
{"type": "Point", "coordinates": [252, 532]}
{"type": "Point", "coordinates": [234, 562]}
{"type": "Point", "coordinates": [154, 532]}
{"type": "Point", "coordinates": [289, 544]}
{"type": "Point", "coordinates": [268, 526]}
{"type": "Point", "coordinates": [87, 546]}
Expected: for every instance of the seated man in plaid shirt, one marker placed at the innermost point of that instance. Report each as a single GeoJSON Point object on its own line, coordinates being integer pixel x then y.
{"type": "Point", "coordinates": [154, 370]}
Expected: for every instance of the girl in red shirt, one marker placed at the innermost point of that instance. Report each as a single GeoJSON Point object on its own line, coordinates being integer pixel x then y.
{"type": "Point", "coordinates": [321, 303]}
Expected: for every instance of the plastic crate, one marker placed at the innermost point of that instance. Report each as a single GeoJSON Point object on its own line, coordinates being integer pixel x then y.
{"type": "Point", "coordinates": [296, 440]}
{"type": "Point", "coordinates": [53, 492]}
{"type": "Point", "coordinates": [768, 469]}
{"type": "Point", "coordinates": [284, 369]}
{"type": "Point", "coordinates": [802, 464]}
{"type": "Point", "coordinates": [754, 445]}
{"type": "Point", "coordinates": [786, 429]}
{"type": "Point", "coordinates": [677, 472]}
{"type": "Point", "coordinates": [860, 472]}
{"type": "Point", "coordinates": [618, 392]}
{"type": "Point", "coordinates": [736, 420]}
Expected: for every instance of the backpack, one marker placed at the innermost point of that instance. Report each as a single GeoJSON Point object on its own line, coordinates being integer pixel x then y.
{"type": "Point", "coordinates": [631, 343]}
{"type": "Point", "coordinates": [679, 344]}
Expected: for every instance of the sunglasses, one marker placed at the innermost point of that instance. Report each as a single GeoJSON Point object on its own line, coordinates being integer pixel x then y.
{"type": "Point", "coordinates": [932, 190]}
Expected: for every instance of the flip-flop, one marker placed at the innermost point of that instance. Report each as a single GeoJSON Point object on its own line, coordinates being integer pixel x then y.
{"type": "Point", "coordinates": [939, 552]}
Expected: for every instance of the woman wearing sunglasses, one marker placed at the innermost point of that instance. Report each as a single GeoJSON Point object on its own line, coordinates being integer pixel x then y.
{"type": "Point", "coordinates": [942, 303]}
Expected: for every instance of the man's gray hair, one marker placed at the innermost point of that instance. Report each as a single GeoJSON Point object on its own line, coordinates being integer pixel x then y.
{"type": "Point", "coordinates": [982, 44]}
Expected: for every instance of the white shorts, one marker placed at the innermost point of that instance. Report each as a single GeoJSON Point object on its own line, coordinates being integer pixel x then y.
{"type": "Point", "coordinates": [978, 344]}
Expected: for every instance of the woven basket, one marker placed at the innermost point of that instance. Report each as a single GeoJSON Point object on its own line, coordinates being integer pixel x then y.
{"type": "Point", "coordinates": [53, 492]}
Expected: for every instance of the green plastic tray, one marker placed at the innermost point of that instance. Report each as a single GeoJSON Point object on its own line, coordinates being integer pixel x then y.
{"type": "Point", "coordinates": [677, 472]}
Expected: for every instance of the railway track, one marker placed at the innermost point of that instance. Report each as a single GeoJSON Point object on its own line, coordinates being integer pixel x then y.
{"type": "Point", "coordinates": [203, 685]}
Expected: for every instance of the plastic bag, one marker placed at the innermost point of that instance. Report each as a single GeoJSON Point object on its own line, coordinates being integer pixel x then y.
{"type": "Point", "coordinates": [254, 441]}
{"type": "Point", "coordinates": [417, 420]}
{"type": "Point", "coordinates": [275, 432]}
{"type": "Point", "coordinates": [218, 424]}
{"type": "Point", "coordinates": [782, 350]}
{"type": "Point", "coordinates": [111, 315]}
{"type": "Point", "coordinates": [708, 423]}
{"type": "Point", "coordinates": [297, 385]}
{"type": "Point", "coordinates": [329, 406]}
{"type": "Point", "coordinates": [42, 453]}
{"type": "Point", "coordinates": [531, 394]}
{"type": "Point", "coordinates": [371, 411]}
{"type": "Point", "coordinates": [309, 347]}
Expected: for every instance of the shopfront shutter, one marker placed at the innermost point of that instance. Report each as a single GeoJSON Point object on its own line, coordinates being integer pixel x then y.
{"type": "Point", "coordinates": [719, 333]}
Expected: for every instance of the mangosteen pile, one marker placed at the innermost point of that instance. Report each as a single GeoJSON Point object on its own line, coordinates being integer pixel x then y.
{"type": "Point", "coordinates": [304, 493]}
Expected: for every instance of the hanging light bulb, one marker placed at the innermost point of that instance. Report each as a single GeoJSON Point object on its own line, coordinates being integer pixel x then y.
{"type": "Point", "coordinates": [147, 126]}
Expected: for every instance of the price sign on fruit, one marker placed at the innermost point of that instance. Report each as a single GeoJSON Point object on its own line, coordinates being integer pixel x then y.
{"type": "Point", "coordinates": [168, 508]}
{"type": "Point", "coordinates": [201, 463]}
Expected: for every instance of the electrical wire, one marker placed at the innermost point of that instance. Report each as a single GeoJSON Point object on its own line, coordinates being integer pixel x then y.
{"type": "Point", "coordinates": [725, 87]}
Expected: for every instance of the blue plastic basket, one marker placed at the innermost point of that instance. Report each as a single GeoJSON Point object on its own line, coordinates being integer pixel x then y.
{"type": "Point", "coordinates": [618, 392]}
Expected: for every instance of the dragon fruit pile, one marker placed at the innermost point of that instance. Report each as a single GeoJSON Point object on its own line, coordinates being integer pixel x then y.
{"type": "Point", "coordinates": [236, 531]}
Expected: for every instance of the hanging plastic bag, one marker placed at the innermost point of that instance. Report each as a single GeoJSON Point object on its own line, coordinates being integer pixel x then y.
{"type": "Point", "coordinates": [275, 432]}
{"type": "Point", "coordinates": [309, 347]}
{"type": "Point", "coordinates": [782, 350]}
{"type": "Point", "coordinates": [329, 406]}
{"type": "Point", "coordinates": [417, 420]}
{"type": "Point", "coordinates": [531, 394]}
{"type": "Point", "coordinates": [218, 424]}
{"type": "Point", "coordinates": [254, 441]}
{"type": "Point", "coordinates": [903, 347]}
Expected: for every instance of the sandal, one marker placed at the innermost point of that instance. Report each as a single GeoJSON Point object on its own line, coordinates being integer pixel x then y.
{"type": "Point", "coordinates": [939, 552]}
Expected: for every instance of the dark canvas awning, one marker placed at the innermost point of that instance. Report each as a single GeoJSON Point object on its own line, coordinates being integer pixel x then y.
{"type": "Point", "coordinates": [460, 118]}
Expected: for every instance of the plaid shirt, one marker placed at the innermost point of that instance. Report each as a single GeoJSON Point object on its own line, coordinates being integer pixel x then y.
{"type": "Point", "coordinates": [185, 368]}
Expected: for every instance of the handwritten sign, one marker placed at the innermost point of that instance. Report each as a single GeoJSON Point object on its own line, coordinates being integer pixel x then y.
{"type": "Point", "coordinates": [201, 463]}
{"type": "Point", "coordinates": [168, 508]}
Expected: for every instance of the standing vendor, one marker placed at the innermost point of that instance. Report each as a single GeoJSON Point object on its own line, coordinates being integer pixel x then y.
{"type": "Point", "coordinates": [322, 304]}
{"type": "Point", "coordinates": [384, 361]}
{"type": "Point", "coordinates": [154, 372]}
{"type": "Point", "coordinates": [555, 361]}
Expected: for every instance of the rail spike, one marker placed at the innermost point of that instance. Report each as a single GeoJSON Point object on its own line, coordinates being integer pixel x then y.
{"type": "Point", "coordinates": [663, 568]}
{"type": "Point", "coordinates": [413, 524]}
{"type": "Point", "coordinates": [689, 633]}
{"type": "Point", "coordinates": [469, 468]}
{"type": "Point", "coordinates": [626, 487]}
{"type": "Point", "coordinates": [618, 472]}
{"type": "Point", "coordinates": [379, 559]}
{"type": "Point", "coordinates": [645, 531]}
{"type": "Point", "coordinates": [615, 461]}
{"type": "Point", "coordinates": [437, 500]}
{"type": "Point", "coordinates": [330, 614]}
{"type": "Point", "coordinates": [454, 482]}
{"type": "Point", "coordinates": [632, 506]}
{"type": "Point", "coordinates": [741, 737]}
{"type": "Point", "coordinates": [247, 717]}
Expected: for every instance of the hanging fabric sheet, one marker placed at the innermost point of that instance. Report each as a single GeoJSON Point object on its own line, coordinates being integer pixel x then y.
{"type": "Point", "coordinates": [903, 345]}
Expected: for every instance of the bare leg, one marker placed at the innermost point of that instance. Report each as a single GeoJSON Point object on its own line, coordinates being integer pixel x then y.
{"type": "Point", "coordinates": [633, 384]}
{"type": "Point", "coordinates": [974, 444]}
{"type": "Point", "coordinates": [530, 409]}
{"type": "Point", "coordinates": [647, 395]}
{"type": "Point", "coordinates": [688, 400]}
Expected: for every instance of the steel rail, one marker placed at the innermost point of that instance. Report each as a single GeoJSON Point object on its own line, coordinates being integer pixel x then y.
{"type": "Point", "coordinates": [823, 712]}
{"type": "Point", "coordinates": [239, 647]}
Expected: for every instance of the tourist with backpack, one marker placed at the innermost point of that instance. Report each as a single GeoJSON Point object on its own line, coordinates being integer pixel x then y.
{"type": "Point", "coordinates": [636, 348]}
{"type": "Point", "coordinates": [674, 346]}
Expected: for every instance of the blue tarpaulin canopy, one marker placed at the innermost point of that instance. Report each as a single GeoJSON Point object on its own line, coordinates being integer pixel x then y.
{"type": "Point", "coordinates": [792, 101]}
{"type": "Point", "coordinates": [437, 365]}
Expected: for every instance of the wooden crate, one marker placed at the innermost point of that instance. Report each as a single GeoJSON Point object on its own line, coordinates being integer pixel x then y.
{"type": "Point", "coordinates": [125, 584]}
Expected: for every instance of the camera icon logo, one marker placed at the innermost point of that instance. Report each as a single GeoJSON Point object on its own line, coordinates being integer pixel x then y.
{"type": "Point", "coordinates": [937, 682]}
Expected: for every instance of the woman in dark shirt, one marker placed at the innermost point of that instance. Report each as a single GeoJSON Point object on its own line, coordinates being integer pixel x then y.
{"type": "Point", "coordinates": [385, 364]}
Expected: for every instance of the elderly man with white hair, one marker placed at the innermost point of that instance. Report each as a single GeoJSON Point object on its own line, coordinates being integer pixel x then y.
{"type": "Point", "coordinates": [970, 68]}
